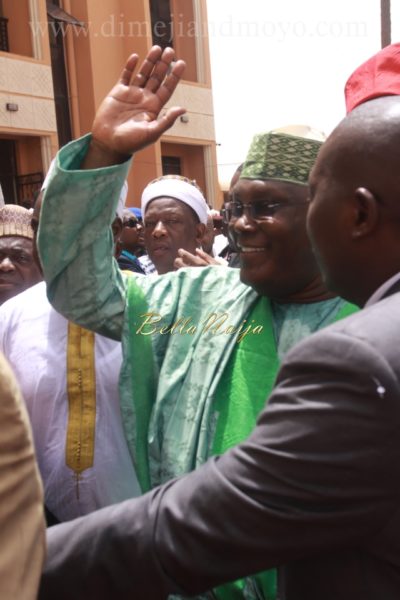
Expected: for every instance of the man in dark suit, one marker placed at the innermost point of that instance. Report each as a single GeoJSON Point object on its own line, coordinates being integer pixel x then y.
{"type": "Point", "coordinates": [314, 489]}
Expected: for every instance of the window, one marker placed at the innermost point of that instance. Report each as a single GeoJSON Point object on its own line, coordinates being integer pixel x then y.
{"type": "Point", "coordinates": [28, 187]}
{"type": "Point", "coordinates": [171, 165]}
{"type": "Point", "coordinates": [161, 23]}
{"type": "Point", "coordinates": [8, 170]}
{"type": "Point", "coordinates": [15, 29]}
{"type": "Point", "coordinates": [15, 154]}
{"type": "Point", "coordinates": [4, 47]}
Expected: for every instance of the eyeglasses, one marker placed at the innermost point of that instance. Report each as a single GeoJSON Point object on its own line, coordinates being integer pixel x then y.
{"type": "Point", "coordinates": [131, 223]}
{"type": "Point", "coordinates": [225, 213]}
{"type": "Point", "coordinates": [259, 211]}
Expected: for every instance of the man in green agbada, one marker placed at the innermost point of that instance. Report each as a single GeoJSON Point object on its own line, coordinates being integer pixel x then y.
{"type": "Point", "coordinates": [187, 391]}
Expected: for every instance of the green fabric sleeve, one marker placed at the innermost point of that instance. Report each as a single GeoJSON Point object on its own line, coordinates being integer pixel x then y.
{"type": "Point", "coordinates": [75, 241]}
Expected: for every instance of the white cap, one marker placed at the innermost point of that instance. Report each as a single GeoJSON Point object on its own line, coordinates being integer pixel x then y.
{"type": "Point", "coordinates": [178, 189]}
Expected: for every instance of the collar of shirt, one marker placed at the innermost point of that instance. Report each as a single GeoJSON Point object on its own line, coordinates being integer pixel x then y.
{"type": "Point", "coordinates": [382, 290]}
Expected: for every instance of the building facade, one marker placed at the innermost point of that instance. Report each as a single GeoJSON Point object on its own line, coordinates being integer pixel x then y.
{"type": "Point", "coordinates": [58, 60]}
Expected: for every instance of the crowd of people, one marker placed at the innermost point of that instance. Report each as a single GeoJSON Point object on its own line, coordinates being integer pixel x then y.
{"type": "Point", "coordinates": [211, 418]}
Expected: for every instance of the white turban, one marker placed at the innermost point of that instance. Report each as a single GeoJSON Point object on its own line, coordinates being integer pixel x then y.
{"type": "Point", "coordinates": [178, 190]}
{"type": "Point", "coordinates": [121, 200]}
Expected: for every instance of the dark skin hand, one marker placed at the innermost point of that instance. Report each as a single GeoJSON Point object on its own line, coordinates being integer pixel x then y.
{"type": "Point", "coordinates": [128, 118]}
{"type": "Point", "coordinates": [200, 259]}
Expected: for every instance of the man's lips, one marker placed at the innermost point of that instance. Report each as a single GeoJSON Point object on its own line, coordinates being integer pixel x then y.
{"type": "Point", "coordinates": [7, 283]}
{"type": "Point", "coordinates": [160, 249]}
{"type": "Point", "coordinates": [250, 249]}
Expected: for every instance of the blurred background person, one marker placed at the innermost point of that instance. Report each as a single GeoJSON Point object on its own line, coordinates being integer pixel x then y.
{"type": "Point", "coordinates": [175, 216]}
{"type": "Point", "coordinates": [209, 235]}
{"type": "Point", "coordinates": [220, 240]}
{"type": "Point", "coordinates": [131, 243]}
{"type": "Point", "coordinates": [69, 381]}
{"type": "Point", "coordinates": [18, 269]}
{"type": "Point", "coordinates": [22, 526]}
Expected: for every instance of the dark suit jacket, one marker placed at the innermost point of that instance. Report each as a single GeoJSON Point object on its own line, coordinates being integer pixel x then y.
{"type": "Point", "coordinates": [315, 488]}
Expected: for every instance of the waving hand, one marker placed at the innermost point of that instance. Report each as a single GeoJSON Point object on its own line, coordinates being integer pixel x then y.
{"type": "Point", "coordinates": [128, 118]}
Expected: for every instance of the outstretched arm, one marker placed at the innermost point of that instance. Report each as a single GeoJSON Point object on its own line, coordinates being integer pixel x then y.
{"type": "Point", "coordinates": [74, 239]}
{"type": "Point", "coordinates": [314, 478]}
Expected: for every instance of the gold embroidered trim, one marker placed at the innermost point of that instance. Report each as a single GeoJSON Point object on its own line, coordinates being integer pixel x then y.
{"type": "Point", "coordinates": [81, 387]}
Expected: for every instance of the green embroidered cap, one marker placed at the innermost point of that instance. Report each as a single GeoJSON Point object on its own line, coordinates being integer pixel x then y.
{"type": "Point", "coordinates": [280, 156]}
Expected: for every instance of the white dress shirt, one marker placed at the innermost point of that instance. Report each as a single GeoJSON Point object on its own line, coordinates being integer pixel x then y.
{"type": "Point", "coordinates": [33, 337]}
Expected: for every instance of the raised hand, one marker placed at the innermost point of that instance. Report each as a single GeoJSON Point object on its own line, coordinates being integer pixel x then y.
{"type": "Point", "coordinates": [200, 259]}
{"type": "Point", "coordinates": [127, 119]}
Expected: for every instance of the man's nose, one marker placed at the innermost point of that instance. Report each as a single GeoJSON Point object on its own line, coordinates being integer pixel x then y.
{"type": "Point", "coordinates": [243, 223]}
{"type": "Point", "coordinates": [159, 230]}
{"type": "Point", "coordinates": [6, 264]}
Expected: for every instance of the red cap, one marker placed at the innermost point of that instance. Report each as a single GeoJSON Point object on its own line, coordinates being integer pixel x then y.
{"type": "Point", "coordinates": [378, 76]}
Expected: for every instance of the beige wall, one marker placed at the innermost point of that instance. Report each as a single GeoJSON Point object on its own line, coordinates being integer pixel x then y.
{"type": "Point", "coordinates": [198, 102]}
{"type": "Point", "coordinates": [29, 85]}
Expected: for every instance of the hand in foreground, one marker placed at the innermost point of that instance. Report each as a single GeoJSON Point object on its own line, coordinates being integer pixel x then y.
{"type": "Point", "coordinates": [126, 120]}
{"type": "Point", "coordinates": [200, 259]}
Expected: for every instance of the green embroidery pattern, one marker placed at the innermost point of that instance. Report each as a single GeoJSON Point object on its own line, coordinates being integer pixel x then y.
{"type": "Point", "coordinates": [280, 156]}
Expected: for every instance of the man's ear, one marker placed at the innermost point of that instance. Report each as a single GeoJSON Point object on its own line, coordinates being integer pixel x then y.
{"type": "Point", "coordinates": [200, 232]}
{"type": "Point", "coordinates": [116, 229]}
{"type": "Point", "coordinates": [366, 212]}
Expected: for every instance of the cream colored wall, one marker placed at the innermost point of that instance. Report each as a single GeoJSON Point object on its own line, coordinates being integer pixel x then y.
{"type": "Point", "coordinates": [198, 102]}
{"type": "Point", "coordinates": [29, 85]}
{"type": "Point", "coordinates": [202, 45]}
{"type": "Point", "coordinates": [215, 197]}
